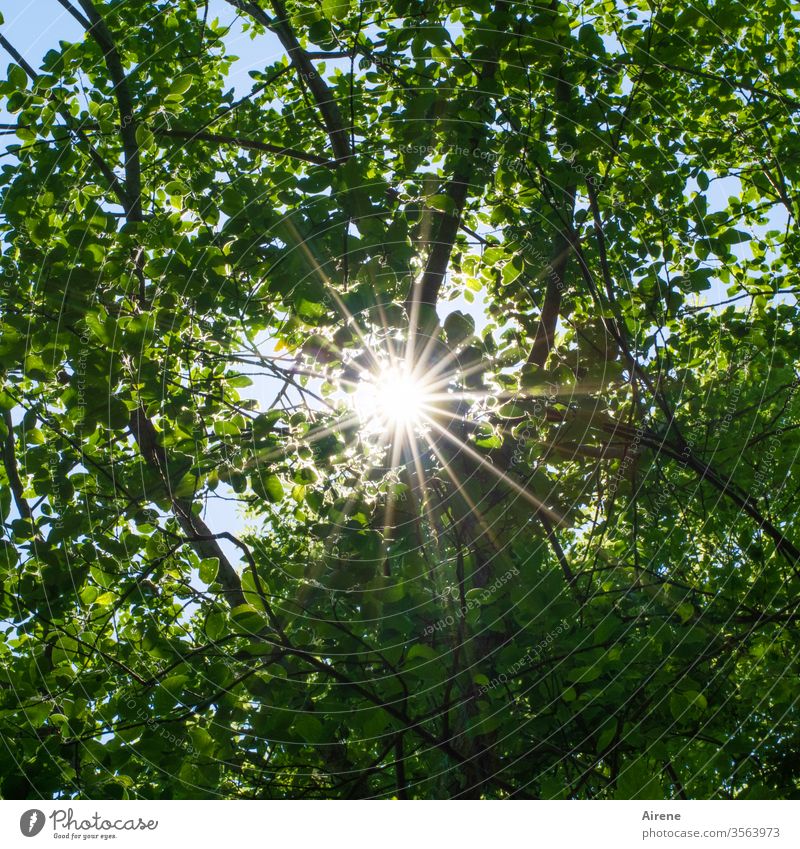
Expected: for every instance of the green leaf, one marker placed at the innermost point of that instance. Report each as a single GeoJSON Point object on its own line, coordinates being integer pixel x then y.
{"type": "Point", "coordinates": [590, 40]}
{"type": "Point", "coordinates": [696, 699]}
{"type": "Point", "coordinates": [482, 725]}
{"type": "Point", "coordinates": [170, 691]}
{"type": "Point", "coordinates": [186, 486]}
{"type": "Point", "coordinates": [144, 138]}
{"type": "Point", "coordinates": [511, 271]}
{"type": "Point", "coordinates": [202, 741]}
{"type": "Point", "coordinates": [17, 77]}
{"type": "Point", "coordinates": [175, 187]}
{"type": "Point", "coordinates": [105, 599]}
{"type": "Point", "coordinates": [182, 84]}
{"type": "Point", "coordinates": [308, 728]}
{"type": "Point", "coordinates": [458, 326]}
{"type": "Point", "coordinates": [208, 569]}
{"type": "Point", "coordinates": [335, 10]}
{"type": "Point", "coordinates": [586, 674]}
{"type": "Point", "coordinates": [215, 626]}
{"type": "Point", "coordinates": [273, 488]}
{"type": "Point", "coordinates": [733, 237]}
{"type": "Point", "coordinates": [421, 651]}
{"type": "Point", "coordinates": [246, 619]}
{"type": "Point", "coordinates": [444, 203]}
{"type": "Point", "coordinates": [606, 737]}
{"type": "Point", "coordinates": [678, 706]}
{"type": "Point", "coordinates": [511, 411]}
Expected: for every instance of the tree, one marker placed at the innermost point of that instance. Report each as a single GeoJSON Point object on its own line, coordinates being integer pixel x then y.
{"type": "Point", "coordinates": [549, 551]}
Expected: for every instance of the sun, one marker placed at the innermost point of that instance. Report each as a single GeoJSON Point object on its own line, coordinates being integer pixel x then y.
{"type": "Point", "coordinates": [391, 399]}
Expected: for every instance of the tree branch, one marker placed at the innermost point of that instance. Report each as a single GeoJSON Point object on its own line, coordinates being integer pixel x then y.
{"type": "Point", "coordinates": [127, 119]}
{"type": "Point", "coordinates": [203, 540]}
{"type": "Point", "coordinates": [413, 725]}
{"type": "Point", "coordinates": [424, 290]}
{"type": "Point", "coordinates": [685, 456]}
{"type": "Point", "coordinates": [559, 255]}
{"type": "Point", "coordinates": [329, 109]}
{"type": "Point", "coordinates": [12, 473]}
{"type": "Point", "coordinates": [246, 144]}
{"type": "Point", "coordinates": [551, 308]}
{"type": "Point", "coordinates": [76, 14]}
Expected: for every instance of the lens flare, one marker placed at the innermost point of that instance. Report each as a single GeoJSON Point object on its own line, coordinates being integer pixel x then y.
{"type": "Point", "coordinates": [392, 398]}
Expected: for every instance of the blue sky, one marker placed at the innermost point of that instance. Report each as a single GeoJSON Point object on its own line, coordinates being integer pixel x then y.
{"type": "Point", "coordinates": [35, 26]}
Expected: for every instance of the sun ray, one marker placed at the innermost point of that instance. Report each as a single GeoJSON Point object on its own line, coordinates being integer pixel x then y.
{"type": "Point", "coordinates": [401, 403]}
{"type": "Point", "coordinates": [443, 363]}
{"type": "Point", "coordinates": [417, 460]}
{"type": "Point", "coordinates": [465, 495]}
{"type": "Point", "coordinates": [336, 535]}
{"type": "Point", "coordinates": [411, 343]}
{"type": "Point", "coordinates": [388, 516]}
{"type": "Point", "coordinates": [331, 290]}
{"type": "Point", "coordinates": [502, 476]}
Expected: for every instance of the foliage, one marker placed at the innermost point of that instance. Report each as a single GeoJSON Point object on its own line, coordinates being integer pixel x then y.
{"type": "Point", "coordinates": [584, 584]}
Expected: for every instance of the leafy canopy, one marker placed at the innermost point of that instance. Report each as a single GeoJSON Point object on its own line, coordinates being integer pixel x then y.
{"type": "Point", "coordinates": [570, 570]}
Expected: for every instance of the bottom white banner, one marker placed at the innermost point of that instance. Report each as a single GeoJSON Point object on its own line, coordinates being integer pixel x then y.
{"type": "Point", "coordinates": [365, 825]}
